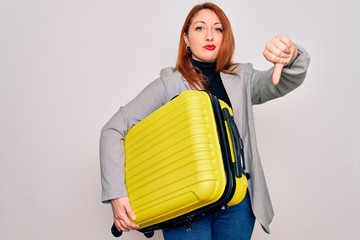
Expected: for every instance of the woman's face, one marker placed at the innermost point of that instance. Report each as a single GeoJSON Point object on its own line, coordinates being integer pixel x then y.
{"type": "Point", "coordinates": [204, 36]}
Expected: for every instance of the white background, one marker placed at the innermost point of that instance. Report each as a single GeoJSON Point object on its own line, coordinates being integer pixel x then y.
{"type": "Point", "coordinates": [67, 66]}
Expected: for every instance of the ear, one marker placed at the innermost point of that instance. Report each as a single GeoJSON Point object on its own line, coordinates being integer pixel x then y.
{"type": "Point", "coordinates": [186, 39]}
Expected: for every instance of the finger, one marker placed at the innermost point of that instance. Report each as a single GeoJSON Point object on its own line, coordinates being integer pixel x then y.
{"type": "Point", "coordinates": [123, 221]}
{"type": "Point", "coordinates": [130, 217]}
{"type": "Point", "coordinates": [121, 226]}
{"type": "Point", "coordinates": [125, 224]}
{"type": "Point", "coordinates": [277, 73]}
{"type": "Point", "coordinates": [127, 221]}
{"type": "Point", "coordinates": [290, 47]}
{"type": "Point", "coordinates": [275, 54]}
{"type": "Point", "coordinates": [284, 40]}
{"type": "Point", "coordinates": [280, 50]}
{"type": "Point", "coordinates": [129, 211]}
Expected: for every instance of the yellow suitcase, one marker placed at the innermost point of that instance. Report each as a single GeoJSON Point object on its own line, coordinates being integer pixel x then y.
{"type": "Point", "coordinates": [183, 161]}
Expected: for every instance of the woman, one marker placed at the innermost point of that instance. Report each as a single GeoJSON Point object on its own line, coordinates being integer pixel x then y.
{"type": "Point", "coordinates": [205, 63]}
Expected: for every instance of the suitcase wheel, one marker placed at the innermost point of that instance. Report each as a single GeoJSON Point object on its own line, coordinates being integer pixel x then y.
{"type": "Point", "coordinates": [149, 234]}
{"type": "Point", "coordinates": [115, 232]}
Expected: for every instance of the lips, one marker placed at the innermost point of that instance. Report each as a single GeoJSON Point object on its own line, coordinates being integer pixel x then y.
{"type": "Point", "coordinates": [210, 47]}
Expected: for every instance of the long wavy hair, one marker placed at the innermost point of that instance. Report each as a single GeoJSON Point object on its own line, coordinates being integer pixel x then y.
{"type": "Point", "coordinates": [224, 62]}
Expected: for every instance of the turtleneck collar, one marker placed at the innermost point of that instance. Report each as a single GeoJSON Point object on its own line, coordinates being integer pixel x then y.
{"type": "Point", "coordinates": [214, 84]}
{"type": "Point", "coordinates": [205, 67]}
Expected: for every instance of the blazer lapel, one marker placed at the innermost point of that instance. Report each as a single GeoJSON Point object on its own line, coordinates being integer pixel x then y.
{"type": "Point", "coordinates": [234, 89]}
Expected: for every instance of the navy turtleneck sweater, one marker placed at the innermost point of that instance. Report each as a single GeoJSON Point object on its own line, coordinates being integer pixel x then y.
{"type": "Point", "coordinates": [214, 85]}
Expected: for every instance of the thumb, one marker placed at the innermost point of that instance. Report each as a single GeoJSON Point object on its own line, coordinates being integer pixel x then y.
{"type": "Point", "coordinates": [277, 73]}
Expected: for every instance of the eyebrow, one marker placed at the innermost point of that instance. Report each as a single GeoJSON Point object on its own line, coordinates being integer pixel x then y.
{"type": "Point", "coordinates": [205, 22]}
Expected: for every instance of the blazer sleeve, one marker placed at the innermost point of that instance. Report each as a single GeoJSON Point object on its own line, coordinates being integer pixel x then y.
{"type": "Point", "coordinates": [112, 157]}
{"type": "Point", "coordinates": [292, 76]}
{"type": "Point", "coordinates": [112, 136]}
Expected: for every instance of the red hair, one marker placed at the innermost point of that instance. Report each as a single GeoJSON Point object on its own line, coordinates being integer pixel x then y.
{"type": "Point", "coordinates": [226, 51]}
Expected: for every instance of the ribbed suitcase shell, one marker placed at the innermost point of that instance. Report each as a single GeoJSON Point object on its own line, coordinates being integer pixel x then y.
{"type": "Point", "coordinates": [174, 163]}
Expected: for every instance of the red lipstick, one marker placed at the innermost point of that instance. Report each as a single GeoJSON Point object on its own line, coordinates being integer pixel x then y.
{"type": "Point", "coordinates": [210, 47]}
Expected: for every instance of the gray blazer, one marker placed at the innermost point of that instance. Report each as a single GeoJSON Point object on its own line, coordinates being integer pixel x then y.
{"type": "Point", "coordinates": [247, 88]}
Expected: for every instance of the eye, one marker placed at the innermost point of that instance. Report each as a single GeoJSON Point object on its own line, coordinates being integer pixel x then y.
{"type": "Point", "coordinates": [199, 28]}
{"type": "Point", "coordinates": [218, 30]}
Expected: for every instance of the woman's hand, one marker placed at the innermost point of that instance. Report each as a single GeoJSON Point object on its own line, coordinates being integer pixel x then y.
{"type": "Point", "coordinates": [123, 214]}
{"type": "Point", "coordinates": [281, 51]}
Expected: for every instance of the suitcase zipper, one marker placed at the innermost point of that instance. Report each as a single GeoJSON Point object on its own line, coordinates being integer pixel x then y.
{"type": "Point", "coordinates": [239, 164]}
{"type": "Point", "coordinates": [189, 220]}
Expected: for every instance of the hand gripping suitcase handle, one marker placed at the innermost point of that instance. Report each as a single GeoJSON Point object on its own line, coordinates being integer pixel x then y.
{"type": "Point", "coordinates": [237, 144]}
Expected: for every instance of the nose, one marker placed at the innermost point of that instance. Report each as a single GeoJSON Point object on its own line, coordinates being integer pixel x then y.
{"type": "Point", "coordinates": [209, 36]}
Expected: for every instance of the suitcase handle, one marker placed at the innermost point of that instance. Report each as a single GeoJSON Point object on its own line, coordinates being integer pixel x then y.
{"type": "Point", "coordinates": [237, 143]}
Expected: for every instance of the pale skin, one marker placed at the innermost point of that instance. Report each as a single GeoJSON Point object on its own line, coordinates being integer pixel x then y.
{"type": "Point", "coordinates": [206, 30]}
{"type": "Point", "coordinates": [280, 51]}
{"type": "Point", "coordinates": [123, 214]}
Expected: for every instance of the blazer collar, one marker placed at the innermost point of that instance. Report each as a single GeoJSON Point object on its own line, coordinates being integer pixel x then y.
{"type": "Point", "coordinates": [226, 77]}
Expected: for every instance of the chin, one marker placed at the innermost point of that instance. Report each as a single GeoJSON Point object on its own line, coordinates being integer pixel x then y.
{"type": "Point", "coordinates": [208, 60]}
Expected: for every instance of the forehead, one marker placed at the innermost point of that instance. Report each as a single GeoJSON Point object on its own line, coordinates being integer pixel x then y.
{"type": "Point", "coordinates": [206, 16]}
